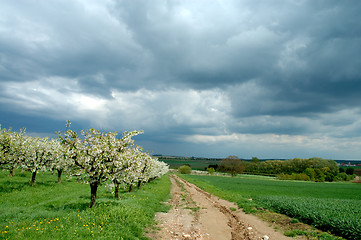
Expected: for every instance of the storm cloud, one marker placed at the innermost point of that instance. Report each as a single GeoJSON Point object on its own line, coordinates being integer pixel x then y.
{"type": "Point", "coordinates": [272, 79]}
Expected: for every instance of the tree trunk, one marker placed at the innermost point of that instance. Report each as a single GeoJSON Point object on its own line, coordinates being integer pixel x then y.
{"type": "Point", "coordinates": [139, 183]}
{"type": "Point", "coordinates": [130, 187]}
{"type": "Point", "coordinates": [33, 176]}
{"type": "Point", "coordinates": [116, 189]}
{"type": "Point", "coordinates": [11, 172]}
{"type": "Point", "coordinates": [59, 175]}
{"type": "Point", "coordinates": [93, 193]}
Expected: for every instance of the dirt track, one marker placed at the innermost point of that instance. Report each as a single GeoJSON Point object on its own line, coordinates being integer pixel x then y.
{"type": "Point", "coordinates": [196, 214]}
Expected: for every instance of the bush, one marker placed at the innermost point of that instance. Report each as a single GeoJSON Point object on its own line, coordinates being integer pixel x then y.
{"type": "Point", "coordinates": [232, 165]}
{"type": "Point", "coordinates": [319, 175]}
{"type": "Point", "coordinates": [351, 177]}
{"type": "Point", "coordinates": [342, 176]}
{"type": "Point", "coordinates": [350, 171]}
{"type": "Point", "coordinates": [294, 176]}
{"type": "Point", "coordinates": [310, 173]}
{"type": "Point", "coordinates": [301, 176]}
{"type": "Point", "coordinates": [214, 166]}
{"type": "Point", "coordinates": [185, 169]}
{"type": "Point", "coordinates": [210, 170]}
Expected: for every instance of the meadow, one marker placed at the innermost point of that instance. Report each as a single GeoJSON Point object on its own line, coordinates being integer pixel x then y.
{"type": "Point", "coordinates": [61, 211]}
{"type": "Point", "coordinates": [333, 207]}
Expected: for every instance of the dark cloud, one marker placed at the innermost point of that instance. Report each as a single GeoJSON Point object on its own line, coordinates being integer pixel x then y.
{"type": "Point", "coordinates": [187, 72]}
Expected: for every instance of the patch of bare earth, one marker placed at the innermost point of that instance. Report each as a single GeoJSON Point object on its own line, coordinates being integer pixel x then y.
{"type": "Point", "coordinates": [196, 214]}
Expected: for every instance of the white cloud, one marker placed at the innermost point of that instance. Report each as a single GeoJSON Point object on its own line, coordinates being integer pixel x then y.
{"type": "Point", "coordinates": [168, 108]}
{"type": "Point", "coordinates": [154, 109]}
{"type": "Point", "coordinates": [54, 97]}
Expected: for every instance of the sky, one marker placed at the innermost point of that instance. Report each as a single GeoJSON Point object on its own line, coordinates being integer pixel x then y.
{"type": "Point", "coordinates": [267, 79]}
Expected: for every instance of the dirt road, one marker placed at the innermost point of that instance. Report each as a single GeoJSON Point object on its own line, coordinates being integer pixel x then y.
{"type": "Point", "coordinates": [196, 214]}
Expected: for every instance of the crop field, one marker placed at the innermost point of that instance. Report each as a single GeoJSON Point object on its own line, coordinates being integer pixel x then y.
{"type": "Point", "coordinates": [333, 207]}
{"type": "Point", "coordinates": [61, 211]}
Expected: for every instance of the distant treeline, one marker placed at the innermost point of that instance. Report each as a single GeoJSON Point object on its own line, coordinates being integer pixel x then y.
{"type": "Point", "coordinates": [312, 169]}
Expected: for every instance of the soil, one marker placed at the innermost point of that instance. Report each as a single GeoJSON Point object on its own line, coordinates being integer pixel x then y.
{"type": "Point", "coordinates": [195, 214]}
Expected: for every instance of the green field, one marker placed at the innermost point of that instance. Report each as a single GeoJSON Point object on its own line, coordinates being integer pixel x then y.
{"type": "Point", "coordinates": [333, 207]}
{"type": "Point", "coordinates": [61, 211]}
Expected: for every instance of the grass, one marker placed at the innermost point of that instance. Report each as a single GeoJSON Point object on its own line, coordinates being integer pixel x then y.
{"type": "Point", "coordinates": [328, 206]}
{"type": "Point", "coordinates": [250, 186]}
{"type": "Point", "coordinates": [61, 211]}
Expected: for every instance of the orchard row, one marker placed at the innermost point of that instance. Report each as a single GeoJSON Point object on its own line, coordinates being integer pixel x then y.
{"type": "Point", "coordinates": [92, 156]}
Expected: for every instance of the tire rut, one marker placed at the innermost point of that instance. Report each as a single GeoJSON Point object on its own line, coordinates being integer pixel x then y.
{"type": "Point", "coordinates": [239, 231]}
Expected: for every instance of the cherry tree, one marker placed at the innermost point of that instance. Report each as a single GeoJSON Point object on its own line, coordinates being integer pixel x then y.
{"type": "Point", "coordinates": [93, 155]}
{"type": "Point", "coordinates": [38, 155]}
{"type": "Point", "coordinates": [11, 148]}
{"type": "Point", "coordinates": [134, 168]}
{"type": "Point", "coordinates": [59, 161]}
{"type": "Point", "coordinates": [123, 166]}
{"type": "Point", "coordinates": [156, 169]}
{"type": "Point", "coordinates": [132, 159]}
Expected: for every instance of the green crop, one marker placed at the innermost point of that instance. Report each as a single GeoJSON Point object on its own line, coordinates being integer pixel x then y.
{"type": "Point", "coordinates": [333, 207]}
{"type": "Point", "coordinates": [340, 216]}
